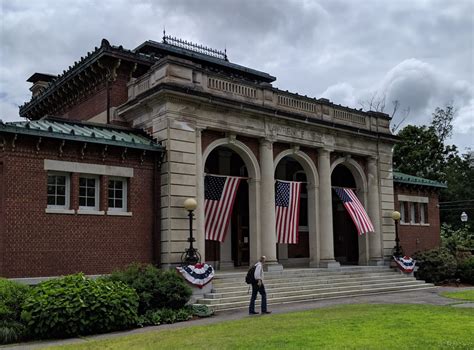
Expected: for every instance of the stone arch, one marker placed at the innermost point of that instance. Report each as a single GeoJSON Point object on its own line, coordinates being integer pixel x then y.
{"type": "Point", "coordinates": [357, 171]}
{"type": "Point", "coordinates": [305, 161]}
{"type": "Point", "coordinates": [253, 169]}
{"type": "Point", "coordinates": [241, 149]}
{"type": "Point", "coordinates": [313, 198]}
{"type": "Point", "coordinates": [360, 178]}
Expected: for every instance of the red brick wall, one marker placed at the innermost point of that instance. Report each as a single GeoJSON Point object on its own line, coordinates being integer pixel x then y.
{"type": "Point", "coordinates": [97, 102]}
{"type": "Point", "coordinates": [41, 244]}
{"type": "Point", "coordinates": [418, 237]}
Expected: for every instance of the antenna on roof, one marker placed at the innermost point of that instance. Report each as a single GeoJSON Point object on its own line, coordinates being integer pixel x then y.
{"type": "Point", "coordinates": [164, 35]}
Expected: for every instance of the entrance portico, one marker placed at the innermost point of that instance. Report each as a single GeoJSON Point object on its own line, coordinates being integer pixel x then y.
{"type": "Point", "coordinates": [193, 111]}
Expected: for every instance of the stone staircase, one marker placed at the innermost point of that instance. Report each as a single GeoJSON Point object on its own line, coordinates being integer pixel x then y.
{"type": "Point", "coordinates": [229, 290]}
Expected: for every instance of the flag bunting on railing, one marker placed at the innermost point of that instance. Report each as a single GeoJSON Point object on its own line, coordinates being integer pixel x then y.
{"type": "Point", "coordinates": [355, 209]}
{"type": "Point", "coordinates": [287, 205]}
{"type": "Point", "coordinates": [220, 192]}
{"type": "Point", "coordinates": [198, 275]}
{"type": "Point", "coordinates": [405, 264]}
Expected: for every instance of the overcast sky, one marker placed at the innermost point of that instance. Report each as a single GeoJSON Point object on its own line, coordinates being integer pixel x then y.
{"type": "Point", "coordinates": [417, 52]}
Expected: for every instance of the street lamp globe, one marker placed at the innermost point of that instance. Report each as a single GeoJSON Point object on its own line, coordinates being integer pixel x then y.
{"type": "Point", "coordinates": [463, 216]}
{"type": "Point", "coordinates": [396, 215]}
{"type": "Point", "coordinates": [190, 204]}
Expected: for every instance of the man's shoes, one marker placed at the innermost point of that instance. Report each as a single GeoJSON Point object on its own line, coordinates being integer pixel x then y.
{"type": "Point", "coordinates": [266, 312]}
{"type": "Point", "coordinates": [253, 313]}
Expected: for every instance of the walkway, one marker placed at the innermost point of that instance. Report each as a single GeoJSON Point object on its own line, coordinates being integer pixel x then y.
{"type": "Point", "coordinates": [430, 297]}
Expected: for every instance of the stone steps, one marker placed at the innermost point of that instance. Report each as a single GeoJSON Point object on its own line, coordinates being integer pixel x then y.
{"type": "Point", "coordinates": [298, 285]}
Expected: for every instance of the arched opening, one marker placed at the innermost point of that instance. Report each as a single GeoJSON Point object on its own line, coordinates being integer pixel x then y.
{"type": "Point", "coordinates": [289, 169]}
{"type": "Point", "coordinates": [235, 250]}
{"type": "Point", "coordinates": [346, 240]}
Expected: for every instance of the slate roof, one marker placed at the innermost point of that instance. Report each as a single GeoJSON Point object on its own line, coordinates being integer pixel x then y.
{"type": "Point", "coordinates": [415, 180]}
{"type": "Point", "coordinates": [83, 132]}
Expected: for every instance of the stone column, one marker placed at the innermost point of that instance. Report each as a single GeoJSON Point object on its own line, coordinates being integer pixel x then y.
{"type": "Point", "coordinates": [375, 239]}
{"type": "Point", "coordinates": [326, 248]}
{"type": "Point", "coordinates": [267, 208]}
{"type": "Point", "coordinates": [199, 214]}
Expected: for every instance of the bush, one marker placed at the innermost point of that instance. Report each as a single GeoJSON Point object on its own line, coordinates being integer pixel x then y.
{"type": "Point", "coordinates": [201, 310]}
{"type": "Point", "coordinates": [12, 295]}
{"type": "Point", "coordinates": [156, 289]}
{"type": "Point", "coordinates": [150, 318]}
{"type": "Point", "coordinates": [77, 305]}
{"type": "Point", "coordinates": [435, 266]}
{"type": "Point", "coordinates": [184, 314]}
{"type": "Point", "coordinates": [456, 239]}
{"type": "Point", "coordinates": [174, 291]}
{"type": "Point", "coordinates": [145, 279]}
{"type": "Point", "coordinates": [466, 270]}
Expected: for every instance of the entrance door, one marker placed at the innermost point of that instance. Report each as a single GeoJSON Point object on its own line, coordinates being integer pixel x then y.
{"type": "Point", "coordinates": [240, 228]}
{"type": "Point", "coordinates": [346, 245]}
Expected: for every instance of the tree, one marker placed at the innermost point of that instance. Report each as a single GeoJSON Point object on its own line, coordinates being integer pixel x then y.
{"type": "Point", "coordinates": [422, 152]}
{"type": "Point", "coordinates": [443, 121]}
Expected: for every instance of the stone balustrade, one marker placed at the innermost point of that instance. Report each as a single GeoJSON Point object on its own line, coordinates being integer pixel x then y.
{"type": "Point", "coordinates": [190, 75]}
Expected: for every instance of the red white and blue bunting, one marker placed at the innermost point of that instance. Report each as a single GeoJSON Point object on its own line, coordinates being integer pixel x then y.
{"type": "Point", "coordinates": [405, 264]}
{"type": "Point", "coordinates": [198, 275]}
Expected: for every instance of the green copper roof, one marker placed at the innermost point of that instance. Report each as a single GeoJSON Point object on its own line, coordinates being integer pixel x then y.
{"type": "Point", "coordinates": [415, 180]}
{"type": "Point", "coordinates": [82, 132]}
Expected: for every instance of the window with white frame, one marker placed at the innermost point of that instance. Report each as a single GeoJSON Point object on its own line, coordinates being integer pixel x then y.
{"type": "Point", "coordinates": [58, 190]}
{"type": "Point", "coordinates": [402, 212]}
{"type": "Point", "coordinates": [423, 213]}
{"type": "Point", "coordinates": [89, 192]}
{"type": "Point", "coordinates": [117, 194]}
{"type": "Point", "coordinates": [413, 213]}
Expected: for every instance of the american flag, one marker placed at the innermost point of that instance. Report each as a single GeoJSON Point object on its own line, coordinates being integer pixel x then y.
{"type": "Point", "coordinates": [355, 209]}
{"type": "Point", "coordinates": [219, 198]}
{"type": "Point", "coordinates": [287, 202]}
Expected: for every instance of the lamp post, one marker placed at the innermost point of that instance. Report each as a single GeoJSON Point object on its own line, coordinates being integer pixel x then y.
{"type": "Point", "coordinates": [398, 249]}
{"type": "Point", "coordinates": [464, 217]}
{"type": "Point", "coordinates": [191, 255]}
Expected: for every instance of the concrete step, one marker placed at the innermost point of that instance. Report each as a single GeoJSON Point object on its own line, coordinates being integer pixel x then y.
{"type": "Point", "coordinates": [308, 285]}
{"type": "Point", "coordinates": [298, 279]}
{"type": "Point", "coordinates": [321, 296]}
{"type": "Point", "coordinates": [275, 294]}
{"type": "Point", "coordinates": [308, 271]}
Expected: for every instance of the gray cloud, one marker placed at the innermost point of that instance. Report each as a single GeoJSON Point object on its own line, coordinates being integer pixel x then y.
{"type": "Point", "coordinates": [419, 52]}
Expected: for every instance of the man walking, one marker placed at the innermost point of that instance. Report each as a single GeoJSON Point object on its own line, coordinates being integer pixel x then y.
{"type": "Point", "coordinates": [257, 286]}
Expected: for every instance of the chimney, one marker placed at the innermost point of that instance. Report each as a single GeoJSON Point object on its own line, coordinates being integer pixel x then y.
{"type": "Point", "coordinates": [40, 82]}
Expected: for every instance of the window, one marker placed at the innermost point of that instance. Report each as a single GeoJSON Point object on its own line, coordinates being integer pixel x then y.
{"type": "Point", "coordinates": [89, 193]}
{"type": "Point", "coordinates": [423, 213]}
{"type": "Point", "coordinates": [402, 212]}
{"type": "Point", "coordinates": [58, 191]}
{"type": "Point", "coordinates": [117, 194]}
{"type": "Point", "coordinates": [413, 213]}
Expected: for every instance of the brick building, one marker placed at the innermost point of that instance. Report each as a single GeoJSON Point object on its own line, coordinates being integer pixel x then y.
{"type": "Point", "coordinates": [416, 199]}
{"type": "Point", "coordinates": [213, 117]}
{"type": "Point", "coordinates": [76, 197]}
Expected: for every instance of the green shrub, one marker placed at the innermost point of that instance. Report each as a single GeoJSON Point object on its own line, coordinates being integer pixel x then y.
{"type": "Point", "coordinates": [150, 318]}
{"type": "Point", "coordinates": [201, 310]}
{"type": "Point", "coordinates": [456, 239]}
{"type": "Point", "coordinates": [174, 290]}
{"type": "Point", "coordinates": [77, 305]}
{"type": "Point", "coordinates": [184, 314]}
{"type": "Point", "coordinates": [12, 295]}
{"type": "Point", "coordinates": [145, 279]}
{"type": "Point", "coordinates": [435, 266]}
{"type": "Point", "coordinates": [156, 289]}
{"type": "Point", "coordinates": [466, 270]}
{"type": "Point", "coordinates": [167, 315]}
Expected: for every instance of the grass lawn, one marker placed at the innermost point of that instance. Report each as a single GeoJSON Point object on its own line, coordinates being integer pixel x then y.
{"type": "Point", "coordinates": [341, 327]}
{"type": "Point", "coordinates": [464, 295]}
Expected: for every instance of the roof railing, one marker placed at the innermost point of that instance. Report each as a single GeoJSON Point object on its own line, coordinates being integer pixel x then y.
{"type": "Point", "coordinates": [187, 45]}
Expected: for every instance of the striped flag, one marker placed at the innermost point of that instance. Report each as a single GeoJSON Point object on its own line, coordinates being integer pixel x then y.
{"type": "Point", "coordinates": [287, 202]}
{"type": "Point", "coordinates": [355, 209]}
{"type": "Point", "coordinates": [219, 198]}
